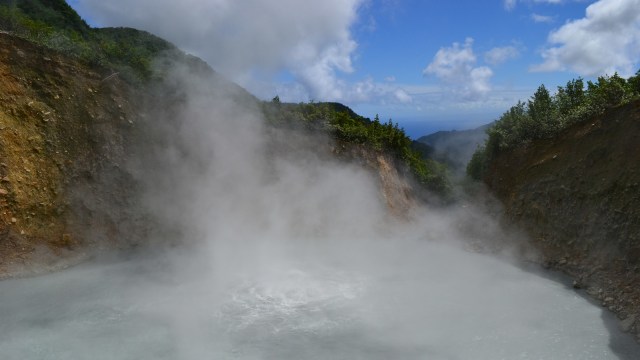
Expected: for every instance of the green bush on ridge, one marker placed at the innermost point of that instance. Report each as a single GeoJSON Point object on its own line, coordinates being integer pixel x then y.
{"type": "Point", "coordinates": [55, 25]}
{"type": "Point", "coordinates": [348, 127]}
{"type": "Point", "coordinates": [544, 115]}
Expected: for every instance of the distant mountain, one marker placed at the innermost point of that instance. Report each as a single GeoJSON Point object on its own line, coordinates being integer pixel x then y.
{"type": "Point", "coordinates": [455, 148]}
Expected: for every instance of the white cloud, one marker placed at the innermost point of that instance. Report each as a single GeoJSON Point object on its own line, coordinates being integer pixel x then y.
{"type": "Point", "coordinates": [456, 67]}
{"type": "Point", "coordinates": [310, 39]}
{"type": "Point", "coordinates": [499, 55]}
{"type": "Point", "coordinates": [509, 4]}
{"type": "Point", "coordinates": [372, 92]}
{"type": "Point", "coordinates": [366, 91]}
{"type": "Point", "coordinates": [606, 40]}
{"type": "Point", "coordinates": [541, 18]}
{"type": "Point", "coordinates": [402, 96]}
{"type": "Point", "coordinates": [479, 84]}
{"type": "Point", "coordinates": [438, 102]}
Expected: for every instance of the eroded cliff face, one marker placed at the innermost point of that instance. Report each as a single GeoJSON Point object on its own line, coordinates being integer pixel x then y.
{"type": "Point", "coordinates": [68, 132]}
{"type": "Point", "coordinates": [578, 195]}
{"type": "Point", "coordinates": [63, 129]}
{"type": "Point", "coordinates": [396, 189]}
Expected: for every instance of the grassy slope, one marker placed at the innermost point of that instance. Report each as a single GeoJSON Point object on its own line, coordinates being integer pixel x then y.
{"type": "Point", "coordinates": [54, 24]}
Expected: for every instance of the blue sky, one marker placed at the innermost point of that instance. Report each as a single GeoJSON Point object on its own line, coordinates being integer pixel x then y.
{"type": "Point", "coordinates": [429, 65]}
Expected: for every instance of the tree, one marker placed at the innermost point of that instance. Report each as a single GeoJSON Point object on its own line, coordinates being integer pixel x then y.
{"type": "Point", "coordinates": [570, 98]}
{"type": "Point", "coordinates": [608, 92]}
{"type": "Point", "coordinates": [541, 114]}
{"type": "Point", "coordinates": [634, 84]}
{"type": "Point", "coordinates": [477, 166]}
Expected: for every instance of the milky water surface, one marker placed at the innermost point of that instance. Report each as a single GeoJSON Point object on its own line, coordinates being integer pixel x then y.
{"type": "Point", "coordinates": [435, 302]}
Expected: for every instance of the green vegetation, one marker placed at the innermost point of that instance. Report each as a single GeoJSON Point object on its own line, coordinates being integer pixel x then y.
{"type": "Point", "coordinates": [54, 24]}
{"type": "Point", "coordinates": [350, 128]}
{"type": "Point", "coordinates": [545, 115]}
{"type": "Point", "coordinates": [124, 48]}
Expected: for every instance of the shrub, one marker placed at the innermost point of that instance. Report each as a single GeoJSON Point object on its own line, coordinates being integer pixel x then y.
{"type": "Point", "coordinates": [348, 127]}
{"type": "Point", "coordinates": [544, 116]}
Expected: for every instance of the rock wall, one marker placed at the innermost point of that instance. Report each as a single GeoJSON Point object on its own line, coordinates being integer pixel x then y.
{"type": "Point", "coordinates": [63, 127]}
{"type": "Point", "coordinates": [396, 188]}
{"type": "Point", "coordinates": [578, 196]}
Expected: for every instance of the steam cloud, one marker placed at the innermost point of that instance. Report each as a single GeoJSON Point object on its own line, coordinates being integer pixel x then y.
{"type": "Point", "coordinates": [287, 254]}
{"type": "Point", "coordinates": [242, 39]}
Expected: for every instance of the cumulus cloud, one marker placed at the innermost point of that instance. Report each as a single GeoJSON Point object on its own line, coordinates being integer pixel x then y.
{"type": "Point", "coordinates": [499, 55]}
{"type": "Point", "coordinates": [310, 39]}
{"type": "Point", "coordinates": [606, 40]}
{"type": "Point", "coordinates": [456, 67]}
{"type": "Point", "coordinates": [370, 91]}
{"type": "Point", "coordinates": [541, 18]}
{"type": "Point", "coordinates": [402, 96]}
{"type": "Point", "coordinates": [365, 91]}
{"type": "Point", "coordinates": [509, 4]}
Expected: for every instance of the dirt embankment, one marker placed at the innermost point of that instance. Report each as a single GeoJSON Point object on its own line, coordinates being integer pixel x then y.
{"type": "Point", "coordinates": [578, 195]}
{"type": "Point", "coordinates": [63, 127]}
{"type": "Point", "coordinates": [396, 188]}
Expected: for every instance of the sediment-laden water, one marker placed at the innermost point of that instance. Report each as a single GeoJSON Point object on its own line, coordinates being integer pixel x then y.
{"type": "Point", "coordinates": [433, 302]}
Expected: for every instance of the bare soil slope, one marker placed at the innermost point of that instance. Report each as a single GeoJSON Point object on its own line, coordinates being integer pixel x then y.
{"type": "Point", "coordinates": [62, 132]}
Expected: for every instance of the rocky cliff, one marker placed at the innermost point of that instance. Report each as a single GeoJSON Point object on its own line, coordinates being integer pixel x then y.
{"type": "Point", "coordinates": [63, 129]}
{"type": "Point", "coordinates": [578, 195]}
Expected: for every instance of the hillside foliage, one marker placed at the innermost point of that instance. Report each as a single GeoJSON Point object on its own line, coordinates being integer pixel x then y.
{"type": "Point", "coordinates": [347, 127]}
{"type": "Point", "coordinates": [544, 115]}
{"type": "Point", "coordinates": [55, 25]}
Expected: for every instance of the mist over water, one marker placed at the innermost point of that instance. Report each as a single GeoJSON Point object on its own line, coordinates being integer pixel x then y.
{"type": "Point", "coordinates": [413, 300]}
{"type": "Point", "coordinates": [280, 252]}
